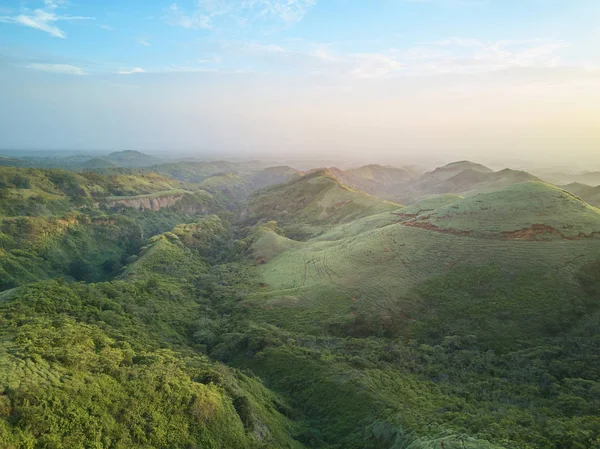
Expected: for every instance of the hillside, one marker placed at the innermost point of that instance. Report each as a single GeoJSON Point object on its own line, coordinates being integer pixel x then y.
{"type": "Point", "coordinates": [462, 178]}
{"type": "Point", "coordinates": [304, 315]}
{"type": "Point", "coordinates": [195, 171]}
{"type": "Point", "coordinates": [588, 193]}
{"type": "Point", "coordinates": [530, 210]}
{"type": "Point", "coordinates": [83, 226]}
{"type": "Point", "coordinates": [272, 176]}
{"type": "Point", "coordinates": [43, 192]}
{"type": "Point", "coordinates": [591, 178]}
{"type": "Point", "coordinates": [448, 171]}
{"type": "Point", "coordinates": [130, 158]}
{"type": "Point", "coordinates": [452, 294]}
{"type": "Point", "coordinates": [313, 203]}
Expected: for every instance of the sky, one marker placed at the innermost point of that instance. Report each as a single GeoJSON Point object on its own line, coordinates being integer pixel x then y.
{"type": "Point", "coordinates": [446, 79]}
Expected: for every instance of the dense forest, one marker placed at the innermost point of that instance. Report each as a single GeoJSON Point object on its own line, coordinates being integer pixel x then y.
{"type": "Point", "coordinates": [220, 305]}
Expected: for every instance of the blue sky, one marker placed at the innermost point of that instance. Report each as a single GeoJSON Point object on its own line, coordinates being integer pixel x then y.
{"type": "Point", "coordinates": [252, 75]}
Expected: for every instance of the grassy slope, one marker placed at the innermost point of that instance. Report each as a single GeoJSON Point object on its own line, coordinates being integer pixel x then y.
{"type": "Point", "coordinates": [272, 176]}
{"type": "Point", "coordinates": [464, 178]}
{"type": "Point", "coordinates": [314, 203]}
{"type": "Point", "coordinates": [588, 193]}
{"type": "Point", "coordinates": [114, 364]}
{"type": "Point", "coordinates": [518, 207]}
{"type": "Point", "coordinates": [378, 270]}
{"type": "Point", "coordinates": [55, 222]}
{"type": "Point", "coordinates": [438, 291]}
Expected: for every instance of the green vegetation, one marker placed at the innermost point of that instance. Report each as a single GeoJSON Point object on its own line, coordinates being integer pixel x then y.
{"type": "Point", "coordinates": [464, 178]}
{"type": "Point", "coordinates": [138, 311]}
{"type": "Point", "coordinates": [528, 210]}
{"type": "Point", "coordinates": [588, 193]}
{"type": "Point", "coordinates": [310, 205]}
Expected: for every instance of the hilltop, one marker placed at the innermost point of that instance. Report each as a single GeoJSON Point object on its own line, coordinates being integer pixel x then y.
{"type": "Point", "coordinates": [313, 203]}
{"type": "Point", "coordinates": [464, 178]}
{"type": "Point", "coordinates": [588, 193]}
{"type": "Point", "coordinates": [130, 158]}
{"type": "Point", "coordinates": [449, 170]}
{"type": "Point", "coordinates": [527, 210]}
{"type": "Point", "coordinates": [273, 176]}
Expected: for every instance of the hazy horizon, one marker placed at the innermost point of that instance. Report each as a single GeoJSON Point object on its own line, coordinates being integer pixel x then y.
{"type": "Point", "coordinates": [437, 80]}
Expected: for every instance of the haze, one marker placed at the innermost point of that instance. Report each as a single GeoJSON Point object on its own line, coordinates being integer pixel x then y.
{"type": "Point", "coordinates": [444, 79]}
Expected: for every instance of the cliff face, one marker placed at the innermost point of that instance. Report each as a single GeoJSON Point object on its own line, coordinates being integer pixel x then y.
{"type": "Point", "coordinates": [161, 202]}
{"type": "Point", "coordinates": [155, 204]}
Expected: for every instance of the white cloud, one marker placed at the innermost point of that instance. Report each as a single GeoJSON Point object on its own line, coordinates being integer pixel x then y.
{"type": "Point", "coordinates": [289, 11]}
{"type": "Point", "coordinates": [471, 56]}
{"type": "Point", "coordinates": [106, 27]}
{"type": "Point", "coordinates": [43, 19]}
{"type": "Point", "coordinates": [453, 56]}
{"type": "Point", "coordinates": [177, 17]}
{"type": "Point", "coordinates": [374, 66]}
{"type": "Point", "coordinates": [131, 71]}
{"type": "Point", "coordinates": [143, 42]}
{"type": "Point", "coordinates": [238, 12]}
{"type": "Point", "coordinates": [213, 60]}
{"type": "Point", "coordinates": [65, 69]}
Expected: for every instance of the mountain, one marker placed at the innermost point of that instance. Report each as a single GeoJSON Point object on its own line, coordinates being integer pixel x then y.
{"type": "Point", "coordinates": [588, 193]}
{"type": "Point", "coordinates": [380, 266]}
{"type": "Point", "coordinates": [313, 203]}
{"type": "Point", "coordinates": [59, 223]}
{"type": "Point", "coordinates": [464, 178]}
{"type": "Point", "coordinates": [14, 162]}
{"type": "Point", "coordinates": [138, 310]}
{"type": "Point", "coordinates": [97, 164]}
{"type": "Point", "coordinates": [130, 158]}
{"type": "Point", "coordinates": [504, 274]}
{"type": "Point", "coordinates": [454, 168]}
{"type": "Point", "coordinates": [272, 176]}
{"type": "Point", "coordinates": [591, 178]}
{"type": "Point", "coordinates": [195, 171]}
{"type": "Point", "coordinates": [530, 210]}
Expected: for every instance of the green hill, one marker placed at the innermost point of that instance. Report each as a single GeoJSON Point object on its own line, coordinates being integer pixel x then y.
{"type": "Point", "coordinates": [97, 164]}
{"type": "Point", "coordinates": [381, 181]}
{"type": "Point", "coordinates": [272, 176]}
{"type": "Point", "coordinates": [588, 193]}
{"type": "Point", "coordinates": [55, 191]}
{"type": "Point", "coordinates": [531, 210]}
{"type": "Point", "coordinates": [313, 203]}
{"type": "Point", "coordinates": [311, 315]}
{"type": "Point", "coordinates": [454, 168]}
{"type": "Point", "coordinates": [383, 266]}
{"type": "Point", "coordinates": [83, 225]}
{"type": "Point", "coordinates": [441, 306]}
{"type": "Point", "coordinates": [130, 158]}
{"type": "Point", "coordinates": [232, 187]}
{"type": "Point", "coordinates": [462, 178]}
{"type": "Point", "coordinates": [385, 175]}
{"type": "Point", "coordinates": [195, 171]}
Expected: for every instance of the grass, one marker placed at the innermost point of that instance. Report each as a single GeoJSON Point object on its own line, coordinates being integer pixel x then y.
{"type": "Point", "coordinates": [164, 193]}
{"type": "Point", "coordinates": [325, 286]}
{"type": "Point", "coordinates": [516, 208]}
{"type": "Point", "coordinates": [313, 204]}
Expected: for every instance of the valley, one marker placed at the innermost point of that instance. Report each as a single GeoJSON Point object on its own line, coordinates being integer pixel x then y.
{"type": "Point", "coordinates": [150, 303]}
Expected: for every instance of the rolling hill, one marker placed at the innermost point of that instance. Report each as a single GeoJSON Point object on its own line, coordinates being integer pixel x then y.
{"type": "Point", "coordinates": [588, 193]}
{"type": "Point", "coordinates": [307, 314]}
{"type": "Point", "coordinates": [313, 203]}
{"type": "Point", "coordinates": [377, 180]}
{"type": "Point", "coordinates": [464, 178]}
{"type": "Point", "coordinates": [272, 176]}
{"type": "Point", "coordinates": [527, 228]}
{"type": "Point", "coordinates": [130, 158]}
{"type": "Point", "coordinates": [529, 210]}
